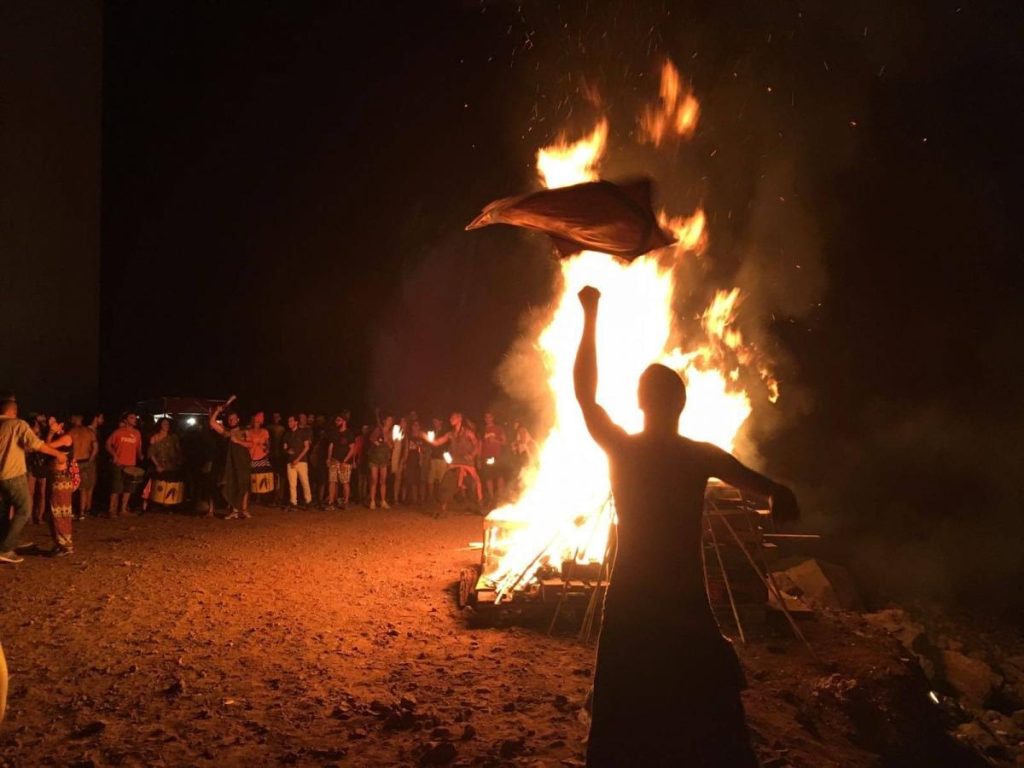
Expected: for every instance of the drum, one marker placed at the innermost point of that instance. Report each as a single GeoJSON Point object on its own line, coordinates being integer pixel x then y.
{"type": "Point", "coordinates": [262, 482]}
{"type": "Point", "coordinates": [168, 492]}
{"type": "Point", "coordinates": [133, 477]}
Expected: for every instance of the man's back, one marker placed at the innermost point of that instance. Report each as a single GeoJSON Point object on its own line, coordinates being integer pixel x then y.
{"type": "Point", "coordinates": [83, 440]}
{"type": "Point", "coordinates": [658, 483]}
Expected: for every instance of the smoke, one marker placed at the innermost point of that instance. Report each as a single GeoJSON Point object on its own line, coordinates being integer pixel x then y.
{"type": "Point", "coordinates": [917, 503]}
{"type": "Point", "coordinates": [445, 331]}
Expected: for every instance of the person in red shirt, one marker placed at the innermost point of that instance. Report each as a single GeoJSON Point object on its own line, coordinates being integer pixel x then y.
{"type": "Point", "coordinates": [125, 448]}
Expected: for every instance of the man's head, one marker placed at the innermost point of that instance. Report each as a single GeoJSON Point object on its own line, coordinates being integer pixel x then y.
{"type": "Point", "coordinates": [455, 419]}
{"type": "Point", "coordinates": [232, 419]}
{"type": "Point", "coordinates": [76, 419]}
{"type": "Point", "coordinates": [257, 419]}
{"type": "Point", "coordinates": [662, 395]}
{"type": "Point", "coordinates": [164, 425]}
{"type": "Point", "coordinates": [275, 418]}
{"type": "Point", "coordinates": [302, 419]}
{"type": "Point", "coordinates": [437, 424]}
{"type": "Point", "coordinates": [488, 419]}
{"type": "Point", "coordinates": [97, 420]}
{"type": "Point", "coordinates": [340, 422]}
{"type": "Point", "coordinates": [8, 404]}
{"type": "Point", "coordinates": [131, 420]}
{"type": "Point", "coordinates": [293, 423]}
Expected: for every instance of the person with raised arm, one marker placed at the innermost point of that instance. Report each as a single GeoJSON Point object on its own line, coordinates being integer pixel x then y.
{"type": "Point", "coordinates": [667, 684]}
{"type": "Point", "coordinates": [17, 439]}
{"type": "Point", "coordinates": [237, 465]}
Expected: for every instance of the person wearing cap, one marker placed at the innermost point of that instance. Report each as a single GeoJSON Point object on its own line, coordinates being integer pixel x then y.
{"type": "Point", "coordinates": [16, 438]}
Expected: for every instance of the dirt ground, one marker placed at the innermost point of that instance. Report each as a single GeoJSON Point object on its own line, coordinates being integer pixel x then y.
{"type": "Point", "coordinates": [315, 638]}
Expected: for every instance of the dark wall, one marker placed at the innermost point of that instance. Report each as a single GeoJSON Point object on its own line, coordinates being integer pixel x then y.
{"type": "Point", "coordinates": [50, 85]}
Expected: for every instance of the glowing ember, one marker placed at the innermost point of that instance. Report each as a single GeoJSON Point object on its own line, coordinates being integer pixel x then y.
{"type": "Point", "coordinates": [564, 512]}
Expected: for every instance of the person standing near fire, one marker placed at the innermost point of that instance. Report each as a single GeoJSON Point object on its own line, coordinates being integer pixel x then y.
{"type": "Point", "coordinates": [258, 437]}
{"type": "Point", "coordinates": [378, 455]}
{"type": "Point", "coordinates": [234, 481]}
{"type": "Point", "coordinates": [125, 448]}
{"type": "Point", "coordinates": [17, 439]}
{"type": "Point", "coordinates": [86, 448]}
{"type": "Point", "coordinates": [492, 459]}
{"type": "Point", "coordinates": [667, 684]}
{"type": "Point", "coordinates": [295, 444]}
{"type": "Point", "coordinates": [464, 446]}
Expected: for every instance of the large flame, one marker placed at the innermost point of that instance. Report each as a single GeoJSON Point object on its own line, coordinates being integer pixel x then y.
{"type": "Point", "coordinates": [564, 512]}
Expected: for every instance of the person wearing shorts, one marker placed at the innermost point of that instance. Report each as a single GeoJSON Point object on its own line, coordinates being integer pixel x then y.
{"type": "Point", "coordinates": [339, 467]}
{"type": "Point", "coordinates": [436, 466]}
{"type": "Point", "coordinates": [378, 456]}
{"type": "Point", "coordinates": [125, 448]}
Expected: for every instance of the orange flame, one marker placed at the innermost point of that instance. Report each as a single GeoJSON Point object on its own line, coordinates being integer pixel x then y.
{"type": "Point", "coordinates": [675, 114]}
{"type": "Point", "coordinates": [562, 164]}
{"type": "Point", "coordinates": [564, 512]}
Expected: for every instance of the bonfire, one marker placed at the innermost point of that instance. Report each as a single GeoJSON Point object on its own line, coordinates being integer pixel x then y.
{"type": "Point", "coordinates": [565, 514]}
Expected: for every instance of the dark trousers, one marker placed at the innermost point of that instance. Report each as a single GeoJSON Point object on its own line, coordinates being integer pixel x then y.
{"type": "Point", "coordinates": [13, 493]}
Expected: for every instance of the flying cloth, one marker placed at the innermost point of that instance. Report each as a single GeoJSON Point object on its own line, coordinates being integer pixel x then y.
{"type": "Point", "coordinates": [594, 216]}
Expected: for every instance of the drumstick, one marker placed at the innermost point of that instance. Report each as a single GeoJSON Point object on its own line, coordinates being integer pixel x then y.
{"type": "Point", "coordinates": [229, 401]}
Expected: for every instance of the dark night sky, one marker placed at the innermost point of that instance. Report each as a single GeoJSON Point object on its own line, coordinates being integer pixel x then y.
{"type": "Point", "coordinates": [285, 186]}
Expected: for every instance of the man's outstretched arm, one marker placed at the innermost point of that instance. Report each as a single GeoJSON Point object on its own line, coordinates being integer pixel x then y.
{"type": "Point", "coordinates": [730, 470]}
{"type": "Point", "coordinates": [604, 431]}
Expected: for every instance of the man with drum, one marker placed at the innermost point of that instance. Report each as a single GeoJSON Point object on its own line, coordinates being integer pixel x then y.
{"type": "Point", "coordinates": [125, 448]}
{"type": "Point", "coordinates": [261, 471]}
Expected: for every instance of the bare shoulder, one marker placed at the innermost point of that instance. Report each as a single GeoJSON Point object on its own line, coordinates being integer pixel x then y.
{"type": "Point", "coordinates": [697, 451]}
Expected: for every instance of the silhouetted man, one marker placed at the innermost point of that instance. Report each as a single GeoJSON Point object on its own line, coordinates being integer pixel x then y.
{"type": "Point", "coordinates": [667, 685]}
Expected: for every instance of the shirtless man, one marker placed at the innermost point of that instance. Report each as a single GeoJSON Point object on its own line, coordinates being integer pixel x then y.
{"type": "Point", "coordinates": [258, 438]}
{"type": "Point", "coordinates": [85, 446]}
{"type": "Point", "coordinates": [464, 447]}
{"type": "Point", "coordinates": [235, 480]}
{"type": "Point", "coordinates": [667, 684]}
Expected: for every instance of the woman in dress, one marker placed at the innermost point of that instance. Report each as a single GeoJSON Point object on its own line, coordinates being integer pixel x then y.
{"type": "Point", "coordinates": [60, 489]}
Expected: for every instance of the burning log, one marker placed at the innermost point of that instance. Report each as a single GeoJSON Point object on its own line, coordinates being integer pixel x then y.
{"type": "Point", "coordinates": [593, 216]}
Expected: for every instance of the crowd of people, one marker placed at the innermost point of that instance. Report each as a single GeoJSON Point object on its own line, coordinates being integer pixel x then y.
{"type": "Point", "coordinates": [51, 468]}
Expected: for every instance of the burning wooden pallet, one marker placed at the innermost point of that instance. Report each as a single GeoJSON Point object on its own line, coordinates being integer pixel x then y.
{"type": "Point", "coordinates": [738, 550]}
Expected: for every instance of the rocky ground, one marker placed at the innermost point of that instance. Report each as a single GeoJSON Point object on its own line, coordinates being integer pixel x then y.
{"type": "Point", "coordinates": [319, 639]}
